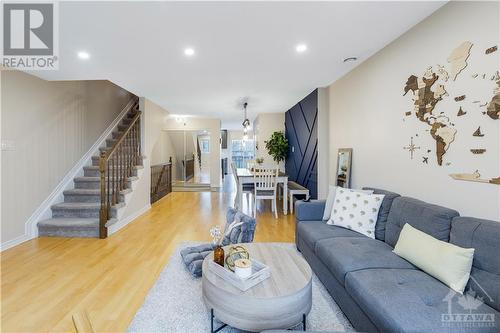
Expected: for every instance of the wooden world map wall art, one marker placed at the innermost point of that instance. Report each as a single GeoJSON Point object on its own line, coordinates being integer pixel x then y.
{"type": "Point", "coordinates": [411, 148]}
{"type": "Point", "coordinates": [429, 89]}
{"type": "Point", "coordinates": [478, 132]}
{"type": "Point", "coordinates": [474, 177]}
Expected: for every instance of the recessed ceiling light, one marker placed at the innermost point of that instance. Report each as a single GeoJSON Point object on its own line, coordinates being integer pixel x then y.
{"type": "Point", "coordinates": [189, 52]}
{"type": "Point", "coordinates": [83, 55]}
{"type": "Point", "coordinates": [350, 59]}
{"type": "Point", "coordinates": [301, 48]}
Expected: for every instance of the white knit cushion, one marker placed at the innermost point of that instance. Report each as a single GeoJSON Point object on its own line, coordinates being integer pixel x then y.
{"type": "Point", "coordinates": [356, 211]}
{"type": "Point", "coordinates": [446, 262]}
{"type": "Point", "coordinates": [331, 198]}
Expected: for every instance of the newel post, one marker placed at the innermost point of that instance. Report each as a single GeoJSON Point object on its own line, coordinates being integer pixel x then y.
{"type": "Point", "coordinates": [103, 212]}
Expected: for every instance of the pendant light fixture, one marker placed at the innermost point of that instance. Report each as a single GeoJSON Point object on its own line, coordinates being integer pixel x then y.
{"type": "Point", "coordinates": [246, 122]}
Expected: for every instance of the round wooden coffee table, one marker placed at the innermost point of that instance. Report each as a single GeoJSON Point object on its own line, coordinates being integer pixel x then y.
{"type": "Point", "coordinates": [281, 301]}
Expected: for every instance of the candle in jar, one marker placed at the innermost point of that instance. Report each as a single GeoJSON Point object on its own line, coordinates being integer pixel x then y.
{"type": "Point", "coordinates": [243, 268]}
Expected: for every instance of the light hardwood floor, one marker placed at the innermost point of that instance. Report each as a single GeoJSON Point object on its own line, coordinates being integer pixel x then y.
{"type": "Point", "coordinates": [46, 280]}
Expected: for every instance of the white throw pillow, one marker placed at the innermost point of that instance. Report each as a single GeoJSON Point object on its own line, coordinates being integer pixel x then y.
{"type": "Point", "coordinates": [446, 262]}
{"type": "Point", "coordinates": [331, 198]}
{"type": "Point", "coordinates": [356, 211]}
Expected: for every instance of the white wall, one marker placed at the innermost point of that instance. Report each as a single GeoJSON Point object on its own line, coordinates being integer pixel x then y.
{"type": "Point", "coordinates": [1, 223]}
{"type": "Point", "coordinates": [367, 113]}
{"type": "Point", "coordinates": [264, 126]}
{"type": "Point", "coordinates": [162, 150]}
{"type": "Point", "coordinates": [213, 126]}
{"type": "Point", "coordinates": [323, 142]}
{"type": "Point", "coordinates": [176, 138]}
{"type": "Point", "coordinates": [51, 124]}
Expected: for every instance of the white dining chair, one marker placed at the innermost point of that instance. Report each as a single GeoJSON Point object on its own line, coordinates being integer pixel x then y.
{"type": "Point", "coordinates": [264, 179]}
{"type": "Point", "coordinates": [247, 188]}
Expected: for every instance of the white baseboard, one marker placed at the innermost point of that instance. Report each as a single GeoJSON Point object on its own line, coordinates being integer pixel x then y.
{"type": "Point", "coordinates": [43, 211]}
{"type": "Point", "coordinates": [123, 222]}
{"type": "Point", "coordinates": [13, 242]}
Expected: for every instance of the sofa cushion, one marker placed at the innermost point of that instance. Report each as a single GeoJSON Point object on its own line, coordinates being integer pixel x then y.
{"type": "Point", "coordinates": [346, 254]}
{"type": "Point", "coordinates": [383, 212]}
{"type": "Point", "coordinates": [313, 231]}
{"type": "Point", "coordinates": [242, 231]}
{"type": "Point", "coordinates": [432, 219]}
{"type": "Point", "coordinates": [309, 210]}
{"type": "Point", "coordinates": [330, 200]}
{"type": "Point", "coordinates": [449, 263]}
{"type": "Point", "coordinates": [484, 237]}
{"type": "Point", "coordinates": [193, 257]}
{"type": "Point", "coordinates": [404, 300]}
{"type": "Point", "coordinates": [356, 211]}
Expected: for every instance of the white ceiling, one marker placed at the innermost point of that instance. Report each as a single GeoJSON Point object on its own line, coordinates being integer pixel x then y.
{"type": "Point", "coordinates": [243, 49]}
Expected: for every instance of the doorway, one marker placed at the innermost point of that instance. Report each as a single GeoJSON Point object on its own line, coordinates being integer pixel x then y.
{"type": "Point", "coordinates": [190, 160]}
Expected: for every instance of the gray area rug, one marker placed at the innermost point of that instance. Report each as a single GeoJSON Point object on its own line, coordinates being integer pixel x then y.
{"type": "Point", "coordinates": [174, 304]}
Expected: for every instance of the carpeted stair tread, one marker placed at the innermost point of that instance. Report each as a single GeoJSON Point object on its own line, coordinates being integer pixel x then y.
{"type": "Point", "coordinates": [82, 205]}
{"type": "Point", "coordinates": [98, 179]}
{"type": "Point", "coordinates": [126, 149]}
{"type": "Point", "coordinates": [69, 227]}
{"type": "Point", "coordinates": [116, 134]}
{"type": "Point", "coordinates": [112, 141]}
{"type": "Point", "coordinates": [90, 195]}
{"type": "Point", "coordinates": [70, 222]}
{"type": "Point", "coordinates": [91, 191]}
{"type": "Point", "coordinates": [96, 167]}
{"type": "Point", "coordinates": [95, 160]}
{"type": "Point", "coordinates": [93, 170]}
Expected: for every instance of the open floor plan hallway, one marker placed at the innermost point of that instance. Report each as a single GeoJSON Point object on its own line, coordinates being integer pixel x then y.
{"type": "Point", "coordinates": [47, 280]}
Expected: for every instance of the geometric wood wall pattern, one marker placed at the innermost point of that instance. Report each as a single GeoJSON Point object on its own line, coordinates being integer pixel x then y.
{"type": "Point", "coordinates": [301, 130]}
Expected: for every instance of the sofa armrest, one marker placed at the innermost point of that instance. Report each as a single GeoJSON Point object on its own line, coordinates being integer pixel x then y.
{"type": "Point", "coordinates": [309, 211]}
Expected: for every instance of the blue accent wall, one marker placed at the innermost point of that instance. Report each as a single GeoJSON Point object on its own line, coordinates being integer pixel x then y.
{"type": "Point", "coordinates": [301, 130]}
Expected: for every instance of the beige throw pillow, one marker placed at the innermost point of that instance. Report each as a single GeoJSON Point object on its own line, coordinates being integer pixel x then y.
{"type": "Point", "coordinates": [446, 262]}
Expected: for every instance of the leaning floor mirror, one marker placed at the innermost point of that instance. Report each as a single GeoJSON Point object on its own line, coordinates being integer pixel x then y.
{"type": "Point", "coordinates": [344, 161]}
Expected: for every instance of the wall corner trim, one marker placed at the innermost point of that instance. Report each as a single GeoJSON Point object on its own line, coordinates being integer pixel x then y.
{"type": "Point", "coordinates": [43, 211]}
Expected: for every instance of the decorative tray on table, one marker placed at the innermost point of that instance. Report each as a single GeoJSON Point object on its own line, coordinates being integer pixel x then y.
{"type": "Point", "coordinates": [260, 272]}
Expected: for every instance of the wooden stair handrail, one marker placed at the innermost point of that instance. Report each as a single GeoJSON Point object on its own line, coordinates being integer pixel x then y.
{"type": "Point", "coordinates": [123, 136]}
{"type": "Point", "coordinates": [116, 166]}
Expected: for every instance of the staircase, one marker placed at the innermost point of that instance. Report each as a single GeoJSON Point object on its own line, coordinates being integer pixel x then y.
{"type": "Point", "coordinates": [82, 212]}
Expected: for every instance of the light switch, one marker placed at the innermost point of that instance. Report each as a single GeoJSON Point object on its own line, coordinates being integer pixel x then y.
{"type": "Point", "coordinates": [8, 145]}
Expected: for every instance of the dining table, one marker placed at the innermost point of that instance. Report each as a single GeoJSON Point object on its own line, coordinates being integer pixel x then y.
{"type": "Point", "coordinates": [245, 176]}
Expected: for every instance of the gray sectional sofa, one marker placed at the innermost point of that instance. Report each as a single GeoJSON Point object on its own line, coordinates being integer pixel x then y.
{"type": "Point", "coordinates": [380, 292]}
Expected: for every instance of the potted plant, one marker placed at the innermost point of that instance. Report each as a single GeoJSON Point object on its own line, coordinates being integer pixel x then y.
{"type": "Point", "coordinates": [277, 146]}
